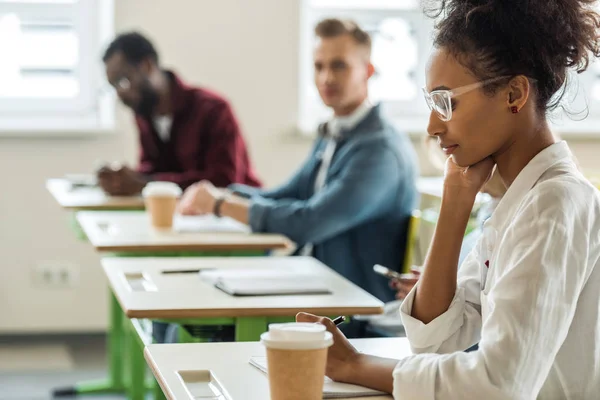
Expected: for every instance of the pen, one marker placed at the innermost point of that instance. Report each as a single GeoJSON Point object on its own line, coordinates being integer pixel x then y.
{"type": "Point", "coordinates": [187, 271]}
{"type": "Point", "coordinates": [339, 320]}
{"type": "Point", "coordinates": [182, 271]}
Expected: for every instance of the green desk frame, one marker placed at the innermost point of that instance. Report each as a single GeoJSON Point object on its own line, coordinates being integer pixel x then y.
{"type": "Point", "coordinates": [246, 330]}
{"type": "Point", "coordinates": [126, 339]}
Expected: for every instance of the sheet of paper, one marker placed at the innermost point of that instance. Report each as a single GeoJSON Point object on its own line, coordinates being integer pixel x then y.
{"type": "Point", "coordinates": [331, 389]}
{"type": "Point", "coordinates": [208, 223]}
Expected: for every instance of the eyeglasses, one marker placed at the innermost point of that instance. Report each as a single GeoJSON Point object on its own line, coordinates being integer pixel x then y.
{"type": "Point", "coordinates": [440, 101]}
{"type": "Point", "coordinates": [123, 83]}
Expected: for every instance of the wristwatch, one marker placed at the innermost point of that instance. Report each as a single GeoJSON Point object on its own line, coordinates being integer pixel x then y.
{"type": "Point", "coordinates": [218, 203]}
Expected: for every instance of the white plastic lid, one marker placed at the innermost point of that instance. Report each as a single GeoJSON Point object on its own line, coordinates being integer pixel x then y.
{"type": "Point", "coordinates": [161, 189]}
{"type": "Point", "coordinates": [297, 336]}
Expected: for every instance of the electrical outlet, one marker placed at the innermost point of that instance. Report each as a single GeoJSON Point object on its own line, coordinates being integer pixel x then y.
{"type": "Point", "coordinates": [56, 274]}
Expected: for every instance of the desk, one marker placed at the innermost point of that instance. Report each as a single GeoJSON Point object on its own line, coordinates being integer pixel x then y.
{"type": "Point", "coordinates": [229, 364]}
{"type": "Point", "coordinates": [145, 291]}
{"type": "Point", "coordinates": [185, 295]}
{"type": "Point", "coordinates": [130, 231]}
{"type": "Point", "coordinates": [76, 198]}
{"type": "Point", "coordinates": [88, 197]}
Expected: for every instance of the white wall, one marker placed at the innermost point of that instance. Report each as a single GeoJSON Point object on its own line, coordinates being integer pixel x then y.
{"type": "Point", "coordinates": [246, 50]}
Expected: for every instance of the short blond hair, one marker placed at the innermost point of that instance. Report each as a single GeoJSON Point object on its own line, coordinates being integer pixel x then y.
{"type": "Point", "coordinates": [334, 27]}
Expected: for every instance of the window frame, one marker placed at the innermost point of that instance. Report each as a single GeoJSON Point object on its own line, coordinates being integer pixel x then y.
{"type": "Point", "coordinates": [93, 110]}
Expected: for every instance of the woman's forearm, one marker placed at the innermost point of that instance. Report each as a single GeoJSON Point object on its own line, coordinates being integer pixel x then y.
{"type": "Point", "coordinates": [437, 285]}
{"type": "Point", "coordinates": [373, 372]}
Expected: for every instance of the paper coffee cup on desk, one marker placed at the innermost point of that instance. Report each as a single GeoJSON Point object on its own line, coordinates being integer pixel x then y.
{"type": "Point", "coordinates": [160, 199]}
{"type": "Point", "coordinates": [296, 359]}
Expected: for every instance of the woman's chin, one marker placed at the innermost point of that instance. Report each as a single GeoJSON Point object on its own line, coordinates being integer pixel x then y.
{"type": "Point", "coordinates": [464, 162]}
{"type": "Point", "coordinates": [460, 161]}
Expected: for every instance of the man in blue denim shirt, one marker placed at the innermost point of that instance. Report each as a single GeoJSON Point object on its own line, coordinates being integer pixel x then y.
{"type": "Point", "coordinates": [350, 203]}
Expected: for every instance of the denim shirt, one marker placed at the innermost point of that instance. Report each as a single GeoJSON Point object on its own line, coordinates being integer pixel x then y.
{"type": "Point", "coordinates": [360, 217]}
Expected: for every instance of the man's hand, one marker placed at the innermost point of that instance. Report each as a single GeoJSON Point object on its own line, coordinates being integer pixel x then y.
{"type": "Point", "coordinates": [120, 180]}
{"type": "Point", "coordinates": [405, 285]}
{"type": "Point", "coordinates": [199, 199]}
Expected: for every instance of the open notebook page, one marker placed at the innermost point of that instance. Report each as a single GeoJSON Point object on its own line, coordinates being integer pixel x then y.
{"type": "Point", "coordinates": [331, 389]}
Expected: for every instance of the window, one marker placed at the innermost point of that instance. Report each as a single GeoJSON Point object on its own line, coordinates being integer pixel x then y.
{"type": "Point", "coordinates": [51, 72]}
{"type": "Point", "coordinates": [401, 45]}
{"type": "Point", "coordinates": [582, 115]}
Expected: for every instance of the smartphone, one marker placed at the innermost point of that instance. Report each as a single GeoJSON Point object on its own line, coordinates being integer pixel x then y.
{"type": "Point", "coordinates": [388, 273]}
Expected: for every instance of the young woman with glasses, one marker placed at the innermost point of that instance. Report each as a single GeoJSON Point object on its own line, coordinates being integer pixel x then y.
{"type": "Point", "coordinates": [529, 292]}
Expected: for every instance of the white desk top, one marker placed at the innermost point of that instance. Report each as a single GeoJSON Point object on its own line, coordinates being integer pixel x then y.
{"type": "Point", "coordinates": [93, 198]}
{"type": "Point", "coordinates": [89, 198]}
{"type": "Point", "coordinates": [229, 364]}
{"type": "Point", "coordinates": [130, 231]}
{"type": "Point", "coordinates": [144, 291]}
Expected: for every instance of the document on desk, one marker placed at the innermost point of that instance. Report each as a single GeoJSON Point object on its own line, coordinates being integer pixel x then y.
{"type": "Point", "coordinates": [81, 180]}
{"type": "Point", "coordinates": [207, 224]}
{"type": "Point", "coordinates": [331, 389]}
{"type": "Point", "coordinates": [264, 282]}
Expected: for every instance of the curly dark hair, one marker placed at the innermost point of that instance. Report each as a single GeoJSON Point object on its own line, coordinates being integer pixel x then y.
{"type": "Point", "coordinates": [541, 39]}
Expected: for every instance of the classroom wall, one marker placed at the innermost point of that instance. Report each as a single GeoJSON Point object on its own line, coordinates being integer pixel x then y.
{"type": "Point", "coordinates": [248, 51]}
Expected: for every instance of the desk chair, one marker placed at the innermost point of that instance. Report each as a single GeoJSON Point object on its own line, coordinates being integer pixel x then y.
{"type": "Point", "coordinates": [412, 241]}
{"type": "Point", "coordinates": [362, 325]}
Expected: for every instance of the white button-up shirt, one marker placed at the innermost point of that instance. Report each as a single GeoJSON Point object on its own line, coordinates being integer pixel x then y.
{"type": "Point", "coordinates": [529, 294]}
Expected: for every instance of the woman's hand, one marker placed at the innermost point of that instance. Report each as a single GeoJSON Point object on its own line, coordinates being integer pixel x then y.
{"type": "Point", "coordinates": [467, 180]}
{"type": "Point", "coordinates": [342, 356]}
{"type": "Point", "coordinates": [346, 364]}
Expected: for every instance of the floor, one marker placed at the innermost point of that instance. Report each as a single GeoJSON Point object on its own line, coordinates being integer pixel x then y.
{"type": "Point", "coordinates": [31, 367]}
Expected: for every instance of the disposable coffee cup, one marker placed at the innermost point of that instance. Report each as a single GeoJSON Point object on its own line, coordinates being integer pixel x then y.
{"type": "Point", "coordinates": [296, 360]}
{"type": "Point", "coordinates": [160, 199]}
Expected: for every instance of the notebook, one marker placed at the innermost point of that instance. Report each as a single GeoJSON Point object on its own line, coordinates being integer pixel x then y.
{"type": "Point", "coordinates": [208, 223]}
{"type": "Point", "coordinates": [263, 281]}
{"type": "Point", "coordinates": [331, 389]}
{"type": "Point", "coordinates": [81, 180]}
{"type": "Point", "coordinates": [271, 286]}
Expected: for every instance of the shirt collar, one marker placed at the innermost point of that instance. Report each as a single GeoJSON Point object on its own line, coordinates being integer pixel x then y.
{"type": "Point", "coordinates": [338, 125]}
{"type": "Point", "coordinates": [179, 92]}
{"type": "Point", "coordinates": [527, 178]}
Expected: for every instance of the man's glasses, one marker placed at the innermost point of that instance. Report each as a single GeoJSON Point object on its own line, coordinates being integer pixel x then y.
{"type": "Point", "coordinates": [123, 83]}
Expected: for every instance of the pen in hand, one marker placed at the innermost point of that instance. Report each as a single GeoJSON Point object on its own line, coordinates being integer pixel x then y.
{"type": "Point", "coordinates": [337, 321]}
